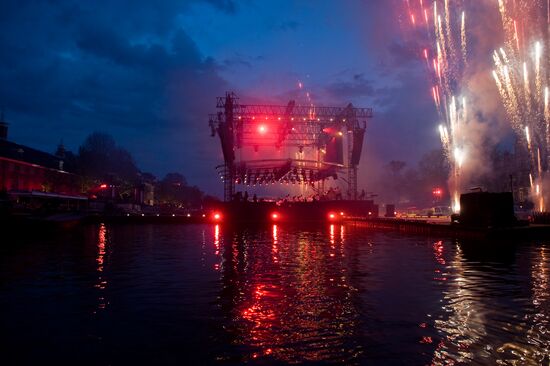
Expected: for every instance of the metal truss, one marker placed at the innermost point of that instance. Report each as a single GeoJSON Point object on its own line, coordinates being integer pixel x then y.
{"type": "Point", "coordinates": [284, 126]}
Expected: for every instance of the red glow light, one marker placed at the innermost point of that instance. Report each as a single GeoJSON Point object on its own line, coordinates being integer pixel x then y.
{"type": "Point", "coordinates": [331, 216]}
{"type": "Point", "coordinates": [437, 191]}
{"type": "Point", "coordinates": [103, 186]}
{"type": "Point", "coordinates": [217, 216]}
{"type": "Point", "coordinates": [262, 129]}
{"type": "Point", "coordinates": [274, 215]}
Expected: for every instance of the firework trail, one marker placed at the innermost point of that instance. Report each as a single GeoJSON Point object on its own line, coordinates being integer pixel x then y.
{"type": "Point", "coordinates": [463, 38]}
{"type": "Point", "coordinates": [308, 98]}
{"type": "Point", "coordinates": [520, 73]}
{"type": "Point", "coordinates": [521, 76]}
{"type": "Point", "coordinates": [445, 31]}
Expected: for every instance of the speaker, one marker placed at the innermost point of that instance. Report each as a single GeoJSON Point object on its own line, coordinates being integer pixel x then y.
{"type": "Point", "coordinates": [358, 136]}
{"type": "Point", "coordinates": [226, 138]}
{"type": "Point", "coordinates": [335, 150]}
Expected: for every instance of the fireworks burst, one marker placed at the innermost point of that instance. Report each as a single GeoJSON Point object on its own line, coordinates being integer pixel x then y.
{"type": "Point", "coordinates": [521, 78]}
{"type": "Point", "coordinates": [447, 48]}
{"type": "Point", "coordinates": [520, 74]}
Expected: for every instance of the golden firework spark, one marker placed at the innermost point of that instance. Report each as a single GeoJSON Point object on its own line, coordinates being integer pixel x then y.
{"type": "Point", "coordinates": [521, 78]}
{"type": "Point", "coordinates": [463, 37]}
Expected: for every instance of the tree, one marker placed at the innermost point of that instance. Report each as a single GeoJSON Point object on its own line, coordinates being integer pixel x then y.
{"type": "Point", "coordinates": [433, 167]}
{"type": "Point", "coordinates": [394, 179]}
{"type": "Point", "coordinates": [433, 171]}
{"type": "Point", "coordinates": [148, 178]}
{"type": "Point", "coordinates": [497, 179]}
{"type": "Point", "coordinates": [100, 157]}
{"type": "Point", "coordinates": [173, 190]}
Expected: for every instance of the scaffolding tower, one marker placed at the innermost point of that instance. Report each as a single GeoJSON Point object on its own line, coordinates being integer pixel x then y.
{"type": "Point", "coordinates": [323, 130]}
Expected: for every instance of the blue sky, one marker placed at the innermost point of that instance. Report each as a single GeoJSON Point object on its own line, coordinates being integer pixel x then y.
{"type": "Point", "coordinates": [148, 73]}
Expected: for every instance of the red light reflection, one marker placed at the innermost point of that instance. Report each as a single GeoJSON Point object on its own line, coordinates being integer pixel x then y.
{"type": "Point", "coordinates": [101, 247]}
{"type": "Point", "coordinates": [287, 295]}
{"type": "Point", "coordinates": [275, 248]}
{"type": "Point", "coordinates": [438, 253]}
{"type": "Point", "coordinates": [332, 241]}
{"type": "Point", "coordinates": [217, 239]}
{"type": "Point", "coordinates": [101, 283]}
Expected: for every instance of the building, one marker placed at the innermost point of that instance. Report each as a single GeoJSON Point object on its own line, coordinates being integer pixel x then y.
{"type": "Point", "coordinates": [24, 169]}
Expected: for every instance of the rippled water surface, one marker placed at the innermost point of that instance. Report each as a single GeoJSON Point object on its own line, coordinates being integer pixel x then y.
{"type": "Point", "coordinates": [203, 294]}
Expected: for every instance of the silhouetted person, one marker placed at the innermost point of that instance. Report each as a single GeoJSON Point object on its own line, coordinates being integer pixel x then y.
{"type": "Point", "coordinates": [245, 196]}
{"type": "Point", "coordinates": [254, 198]}
{"type": "Point", "coordinates": [362, 195]}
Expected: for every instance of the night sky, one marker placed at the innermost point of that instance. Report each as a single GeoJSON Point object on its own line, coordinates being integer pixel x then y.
{"type": "Point", "coordinates": [148, 74]}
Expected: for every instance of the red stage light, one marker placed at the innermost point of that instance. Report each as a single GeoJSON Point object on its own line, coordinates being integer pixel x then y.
{"type": "Point", "coordinates": [217, 216]}
{"type": "Point", "coordinates": [103, 186]}
{"type": "Point", "coordinates": [331, 216]}
{"type": "Point", "coordinates": [274, 215]}
{"type": "Point", "coordinates": [437, 191]}
{"type": "Point", "coordinates": [262, 129]}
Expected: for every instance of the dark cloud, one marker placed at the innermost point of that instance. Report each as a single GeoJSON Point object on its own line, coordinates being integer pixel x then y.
{"type": "Point", "coordinates": [240, 61]}
{"type": "Point", "coordinates": [403, 54]}
{"type": "Point", "coordinates": [69, 68]}
{"type": "Point", "coordinates": [358, 86]}
{"type": "Point", "coordinates": [143, 72]}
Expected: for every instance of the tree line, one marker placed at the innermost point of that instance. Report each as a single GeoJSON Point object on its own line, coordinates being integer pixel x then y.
{"type": "Point", "coordinates": [101, 160]}
{"type": "Point", "coordinates": [414, 186]}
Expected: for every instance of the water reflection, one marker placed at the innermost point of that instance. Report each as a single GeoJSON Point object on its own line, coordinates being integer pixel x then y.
{"type": "Point", "coordinates": [462, 322]}
{"type": "Point", "coordinates": [203, 294]}
{"type": "Point", "coordinates": [289, 295]}
{"type": "Point", "coordinates": [485, 315]}
{"type": "Point", "coordinates": [101, 282]}
{"type": "Point", "coordinates": [537, 335]}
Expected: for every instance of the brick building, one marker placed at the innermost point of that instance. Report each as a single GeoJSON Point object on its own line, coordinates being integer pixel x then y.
{"type": "Point", "coordinates": [24, 169]}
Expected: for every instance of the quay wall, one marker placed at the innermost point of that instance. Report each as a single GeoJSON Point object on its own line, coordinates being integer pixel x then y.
{"type": "Point", "coordinates": [451, 230]}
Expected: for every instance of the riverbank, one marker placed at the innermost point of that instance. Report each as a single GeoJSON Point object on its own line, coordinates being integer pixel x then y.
{"type": "Point", "coordinates": [426, 227]}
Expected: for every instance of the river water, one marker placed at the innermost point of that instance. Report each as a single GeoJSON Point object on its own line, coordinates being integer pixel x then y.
{"type": "Point", "coordinates": [333, 294]}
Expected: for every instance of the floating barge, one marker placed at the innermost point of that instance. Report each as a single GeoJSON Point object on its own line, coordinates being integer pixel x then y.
{"type": "Point", "coordinates": [296, 212]}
